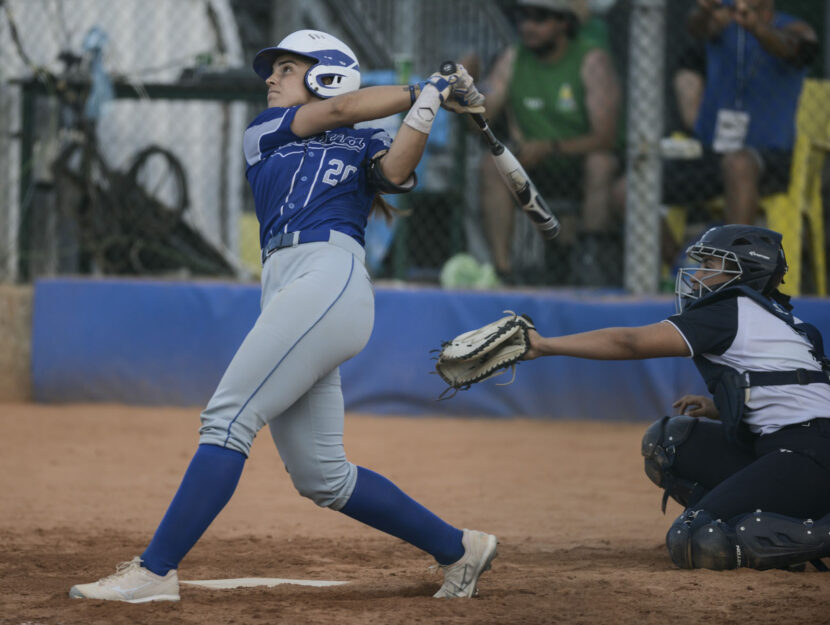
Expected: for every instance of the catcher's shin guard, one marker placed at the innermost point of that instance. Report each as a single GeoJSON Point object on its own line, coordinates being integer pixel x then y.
{"type": "Point", "coordinates": [660, 443]}
{"type": "Point", "coordinates": [771, 541]}
{"type": "Point", "coordinates": [761, 540]}
{"type": "Point", "coordinates": [697, 541]}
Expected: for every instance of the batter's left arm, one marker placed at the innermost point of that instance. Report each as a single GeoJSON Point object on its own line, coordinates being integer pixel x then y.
{"type": "Point", "coordinates": [366, 104]}
{"type": "Point", "coordinates": [404, 154]}
{"type": "Point", "coordinates": [350, 108]}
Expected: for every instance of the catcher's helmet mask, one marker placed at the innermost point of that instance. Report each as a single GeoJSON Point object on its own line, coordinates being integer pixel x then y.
{"type": "Point", "coordinates": [334, 68]}
{"type": "Point", "coordinates": [749, 255]}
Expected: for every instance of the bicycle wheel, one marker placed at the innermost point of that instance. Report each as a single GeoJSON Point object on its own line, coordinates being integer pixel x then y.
{"type": "Point", "coordinates": [85, 193]}
{"type": "Point", "coordinates": [161, 177]}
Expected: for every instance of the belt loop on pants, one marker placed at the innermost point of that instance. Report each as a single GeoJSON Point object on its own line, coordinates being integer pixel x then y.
{"type": "Point", "coordinates": [282, 240]}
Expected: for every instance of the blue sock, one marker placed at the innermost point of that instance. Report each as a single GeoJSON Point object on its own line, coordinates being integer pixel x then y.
{"type": "Point", "coordinates": [206, 487]}
{"type": "Point", "coordinates": [377, 502]}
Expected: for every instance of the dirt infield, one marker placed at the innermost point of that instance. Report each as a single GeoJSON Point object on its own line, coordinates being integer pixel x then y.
{"type": "Point", "coordinates": [83, 487]}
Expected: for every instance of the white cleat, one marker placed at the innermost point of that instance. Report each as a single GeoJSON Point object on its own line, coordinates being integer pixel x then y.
{"type": "Point", "coordinates": [132, 583]}
{"type": "Point", "coordinates": [461, 578]}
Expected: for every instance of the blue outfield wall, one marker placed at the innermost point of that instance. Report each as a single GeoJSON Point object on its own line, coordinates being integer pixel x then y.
{"type": "Point", "coordinates": [167, 343]}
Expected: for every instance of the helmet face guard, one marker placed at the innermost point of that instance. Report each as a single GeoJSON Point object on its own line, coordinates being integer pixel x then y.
{"type": "Point", "coordinates": [334, 68]}
{"type": "Point", "coordinates": [695, 282]}
{"type": "Point", "coordinates": [749, 256]}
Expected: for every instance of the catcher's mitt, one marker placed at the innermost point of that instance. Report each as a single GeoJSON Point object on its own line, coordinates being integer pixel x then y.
{"type": "Point", "coordinates": [484, 353]}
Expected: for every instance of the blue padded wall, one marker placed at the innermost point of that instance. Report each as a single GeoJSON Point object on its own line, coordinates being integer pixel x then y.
{"type": "Point", "coordinates": [137, 342]}
{"type": "Point", "coordinates": [153, 342]}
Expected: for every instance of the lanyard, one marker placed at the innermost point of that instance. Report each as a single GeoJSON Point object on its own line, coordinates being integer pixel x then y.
{"type": "Point", "coordinates": [744, 74]}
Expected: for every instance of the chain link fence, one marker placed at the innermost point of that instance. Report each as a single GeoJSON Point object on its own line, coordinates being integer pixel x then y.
{"type": "Point", "coordinates": [736, 115]}
{"type": "Point", "coordinates": [115, 151]}
{"type": "Point", "coordinates": [121, 126]}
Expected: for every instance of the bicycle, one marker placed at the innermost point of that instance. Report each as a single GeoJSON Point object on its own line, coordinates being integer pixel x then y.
{"type": "Point", "coordinates": [124, 221]}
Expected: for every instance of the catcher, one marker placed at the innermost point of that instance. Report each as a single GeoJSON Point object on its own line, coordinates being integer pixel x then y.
{"type": "Point", "coordinates": [751, 465]}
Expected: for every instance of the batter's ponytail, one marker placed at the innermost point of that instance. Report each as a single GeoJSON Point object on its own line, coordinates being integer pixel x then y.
{"type": "Point", "coordinates": [385, 209]}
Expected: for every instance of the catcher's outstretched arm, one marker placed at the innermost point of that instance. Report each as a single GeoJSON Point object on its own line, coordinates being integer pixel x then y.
{"type": "Point", "coordinates": [657, 340]}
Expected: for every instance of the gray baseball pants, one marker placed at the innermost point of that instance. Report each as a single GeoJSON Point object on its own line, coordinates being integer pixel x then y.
{"type": "Point", "coordinates": [317, 312]}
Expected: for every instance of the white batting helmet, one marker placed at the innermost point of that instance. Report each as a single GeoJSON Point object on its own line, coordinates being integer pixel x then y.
{"type": "Point", "coordinates": [333, 59]}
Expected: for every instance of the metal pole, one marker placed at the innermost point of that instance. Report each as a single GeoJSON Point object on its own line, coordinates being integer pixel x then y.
{"type": "Point", "coordinates": [24, 214]}
{"type": "Point", "coordinates": [646, 77]}
{"type": "Point", "coordinates": [285, 19]}
{"type": "Point", "coordinates": [404, 56]}
{"type": "Point", "coordinates": [826, 33]}
{"type": "Point", "coordinates": [9, 190]}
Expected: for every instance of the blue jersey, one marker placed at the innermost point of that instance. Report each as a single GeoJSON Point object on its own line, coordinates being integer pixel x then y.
{"type": "Point", "coordinates": [316, 182]}
{"type": "Point", "coordinates": [741, 75]}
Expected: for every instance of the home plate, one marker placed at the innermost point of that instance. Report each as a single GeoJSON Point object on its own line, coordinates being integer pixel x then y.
{"type": "Point", "coordinates": [250, 582]}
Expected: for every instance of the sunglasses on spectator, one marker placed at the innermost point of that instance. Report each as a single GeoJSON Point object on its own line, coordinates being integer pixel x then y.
{"type": "Point", "coordinates": [530, 14]}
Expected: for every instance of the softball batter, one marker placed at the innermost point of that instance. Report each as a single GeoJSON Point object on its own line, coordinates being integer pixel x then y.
{"type": "Point", "coordinates": [315, 178]}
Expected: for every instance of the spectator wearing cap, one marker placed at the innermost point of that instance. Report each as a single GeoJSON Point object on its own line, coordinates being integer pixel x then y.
{"type": "Point", "coordinates": [561, 98]}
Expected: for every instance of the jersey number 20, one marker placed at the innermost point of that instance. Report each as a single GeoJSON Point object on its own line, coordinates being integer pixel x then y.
{"type": "Point", "coordinates": [338, 172]}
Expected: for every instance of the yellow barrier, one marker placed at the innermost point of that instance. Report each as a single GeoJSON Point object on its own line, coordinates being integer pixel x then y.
{"type": "Point", "coordinates": [249, 248]}
{"type": "Point", "coordinates": [787, 212]}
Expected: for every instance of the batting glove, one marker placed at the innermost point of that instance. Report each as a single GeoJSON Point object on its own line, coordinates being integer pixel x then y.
{"type": "Point", "coordinates": [458, 93]}
{"type": "Point", "coordinates": [443, 84]}
{"type": "Point", "coordinates": [466, 98]}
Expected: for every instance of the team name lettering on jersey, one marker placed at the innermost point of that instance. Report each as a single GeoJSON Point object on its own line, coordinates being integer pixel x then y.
{"type": "Point", "coordinates": [344, 141]}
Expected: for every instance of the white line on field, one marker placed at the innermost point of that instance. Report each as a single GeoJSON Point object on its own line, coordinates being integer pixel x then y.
{"type": "Point", "coordinates": [250, 582]}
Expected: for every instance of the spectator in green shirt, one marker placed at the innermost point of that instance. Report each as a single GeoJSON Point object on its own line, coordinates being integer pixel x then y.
{"type": "Point", "coordinates": [561, 97]}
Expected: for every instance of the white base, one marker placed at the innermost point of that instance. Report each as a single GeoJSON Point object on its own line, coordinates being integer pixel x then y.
{"type": "Point", "coordinates": [250, 582]}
